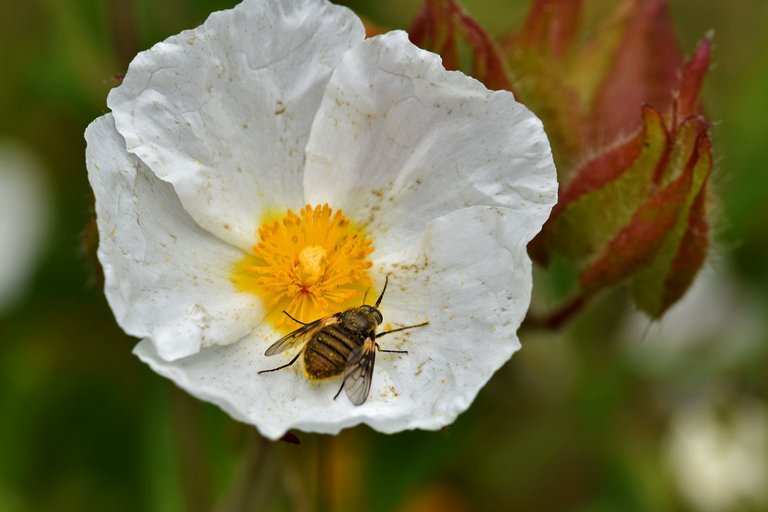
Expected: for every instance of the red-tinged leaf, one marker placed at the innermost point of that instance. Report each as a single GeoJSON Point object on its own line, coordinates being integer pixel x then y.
{"type": "Point", "coordinates": [536, 57]}
{"type": "Point", "coordinates": [634, 246]}
{"type": "Point", "coordinates": [644, 70]}
{"type": "Point", "coordinates": [683, 143]}
{"type": "Point", "coordinates": [442, 26]}
{"type": "Point", "coordinates": [606, 167]}
{"type": "Point", "coordinates": [693, 252]}
{"type": "Point", "coordinates": [693, 76]}
{"type": "Point", "coordinates": [542, 89]}
{"type": "Point", "coordinates": [604, 194]}
{"type": "Point", "coordinates": [549, 30]}
{"type": "Point", "coordinates": [654, 287]}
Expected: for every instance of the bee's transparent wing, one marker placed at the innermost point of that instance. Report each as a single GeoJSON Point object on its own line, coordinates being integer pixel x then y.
{"type": "Point", "coordinates": [300, 335]}
{"type": "Point", "coordinates": [358, 372]}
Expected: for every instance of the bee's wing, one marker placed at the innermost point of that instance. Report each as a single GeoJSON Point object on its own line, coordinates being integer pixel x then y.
{"type": "Point", "coordinates": [300, 335]}
{"type": "Point", "coordinates": [358, 371]}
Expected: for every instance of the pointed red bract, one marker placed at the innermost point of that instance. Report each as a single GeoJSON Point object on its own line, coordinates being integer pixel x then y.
{"type": "Point", "coordinates": [693, 77]}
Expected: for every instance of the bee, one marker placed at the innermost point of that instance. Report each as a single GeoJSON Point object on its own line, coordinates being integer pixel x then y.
{"type": "Point", "coordinates": [344, 342]}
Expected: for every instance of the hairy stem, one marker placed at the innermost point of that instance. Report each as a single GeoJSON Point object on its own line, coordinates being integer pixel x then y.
{"type": "Point", "coordinates": [554, 320]}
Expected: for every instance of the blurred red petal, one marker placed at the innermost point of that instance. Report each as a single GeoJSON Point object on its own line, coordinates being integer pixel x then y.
{"type": "Point", "coordinates": [434, 30]}
{"type": "Point", "coordinates": [645, 69]}
{"type": "Point", "coordinates": [442, 25]}
{"type": "Point", "coordinates": [550, 28]}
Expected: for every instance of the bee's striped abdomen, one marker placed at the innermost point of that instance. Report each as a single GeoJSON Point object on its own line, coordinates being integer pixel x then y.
{"type": "Point", "coordinates": [327, 352]}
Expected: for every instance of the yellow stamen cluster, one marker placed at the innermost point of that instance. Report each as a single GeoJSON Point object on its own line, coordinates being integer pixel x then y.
{"type": "Point", "coordinates": [311, 265]}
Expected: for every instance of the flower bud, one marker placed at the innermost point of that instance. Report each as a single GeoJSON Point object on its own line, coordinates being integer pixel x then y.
{"type": "Point", "coordinates": [628, 137]}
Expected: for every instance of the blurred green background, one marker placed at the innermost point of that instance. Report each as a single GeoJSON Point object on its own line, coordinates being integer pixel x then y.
{"type": "Point", "coordinates": [612, 413]}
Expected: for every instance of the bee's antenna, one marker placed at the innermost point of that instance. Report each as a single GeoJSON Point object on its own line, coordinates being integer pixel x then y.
{"type": "Point", "coordinates": [365, 295]}
{"type": "Point", "coordinates": [378, 301]}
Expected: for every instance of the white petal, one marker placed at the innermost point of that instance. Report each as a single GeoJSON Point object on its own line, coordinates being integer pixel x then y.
{"type": "Point", "coordinates": [23, 220]}
{"type": "Point", "coordinates": [223, 111]}
{"type": "Point", "coordinates": [165, 277]}
{"type": "Point", "coordinates": [474, 290]}
{"type": "Point", "coordinates": [399, 141]}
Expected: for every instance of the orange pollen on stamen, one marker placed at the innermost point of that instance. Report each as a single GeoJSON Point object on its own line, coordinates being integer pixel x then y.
{"type": "Point", "coordinates": [311, 265]}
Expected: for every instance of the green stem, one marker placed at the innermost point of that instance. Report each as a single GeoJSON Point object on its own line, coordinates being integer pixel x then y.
{"type": "Point", "coordinates": [196, 477]}
{"type": "Point", "coordinates": [556, 319]}
{"type": "Point", "coordinates": [296, 484]}
{"type": "Point", "coordinates": [256, 477]}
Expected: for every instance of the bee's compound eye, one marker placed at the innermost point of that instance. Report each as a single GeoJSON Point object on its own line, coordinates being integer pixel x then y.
{"type": "Point", "coordinates": [379, 318]}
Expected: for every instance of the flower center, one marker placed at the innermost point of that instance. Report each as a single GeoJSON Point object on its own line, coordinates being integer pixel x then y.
{"type": "Point", "coordinates": [311, 265]}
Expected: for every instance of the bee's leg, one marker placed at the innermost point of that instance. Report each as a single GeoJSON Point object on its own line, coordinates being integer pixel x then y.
{"type": "Point", "coordinates": [401, 329]}
{"type": "Point", "coordinates": [297, 321]}
{"type": "Point", "coordinates": [391, 351]}
{"type": "Point", "coordinates": [397, 330]}
{"type": "Point", "coordinates": [284, 366]}
{"type": "Point", "coordinates": [342, 387]}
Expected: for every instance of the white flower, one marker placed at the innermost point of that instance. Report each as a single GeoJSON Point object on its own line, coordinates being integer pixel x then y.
{"type": "Point", "coordinates": [719, 456]}
{"type": "Point", "coordinates": [23, 220]}
{"type": "Point", "coordinates": [216, 133]}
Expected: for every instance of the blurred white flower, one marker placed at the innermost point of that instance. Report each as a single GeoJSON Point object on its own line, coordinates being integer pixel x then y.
{"type": "Point", "coordinates": [719, 457]}
{"type": "Point", "coordinates": [275, 159]}
{"type": "Point", "coordinates": [23, 220]}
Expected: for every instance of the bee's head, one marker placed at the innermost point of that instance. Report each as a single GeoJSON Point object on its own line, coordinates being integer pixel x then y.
{"type": "Point", "coordinates": [362, 319]}
{"type": "Point", "coordinates": [367, 317]}
{"type": "Point", "coordinates": [374, 312]}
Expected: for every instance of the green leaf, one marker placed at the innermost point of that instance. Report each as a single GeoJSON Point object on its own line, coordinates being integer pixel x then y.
{"type": "Point", "coordinates": [692, 253]}
{"type": "Point", "coordinates": [640, 240]}
{"type": "Point", "coordinates": [604, 194]}
{"type": "Point", "coordinates": [655, 287]}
